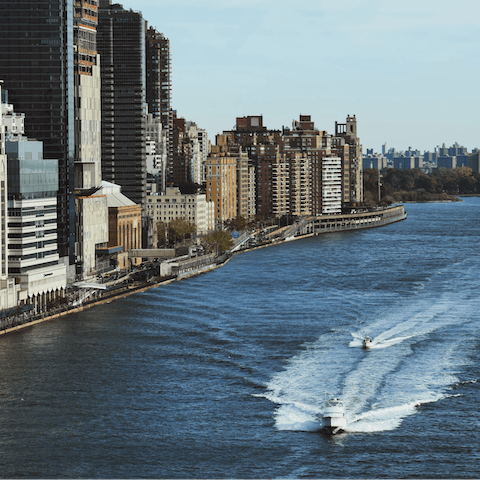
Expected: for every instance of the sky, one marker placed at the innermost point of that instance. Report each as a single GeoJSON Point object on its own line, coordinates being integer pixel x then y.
{"type": "Point", "coordinates": [409, 70]}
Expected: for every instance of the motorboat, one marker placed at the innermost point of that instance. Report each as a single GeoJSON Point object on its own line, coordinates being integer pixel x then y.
{"type": "Point", "coordinates": [334, 420]}
{"type": "Point", "coordinates": [367, 343]}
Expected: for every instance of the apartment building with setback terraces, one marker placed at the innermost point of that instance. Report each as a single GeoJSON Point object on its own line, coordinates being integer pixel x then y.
{"type": "Point", "coordinates": [172, 204]}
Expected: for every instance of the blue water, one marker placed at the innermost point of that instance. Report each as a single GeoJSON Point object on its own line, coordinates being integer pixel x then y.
{"type": "Point", "coordinates": [225, 375]}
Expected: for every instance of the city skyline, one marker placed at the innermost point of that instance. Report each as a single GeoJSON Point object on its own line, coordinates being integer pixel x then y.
{"type": "Point", "coordinates": [404, 70]}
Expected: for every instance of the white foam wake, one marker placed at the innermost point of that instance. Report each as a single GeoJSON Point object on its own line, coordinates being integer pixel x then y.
{"type": "Point", "coordinates": [416, 354]}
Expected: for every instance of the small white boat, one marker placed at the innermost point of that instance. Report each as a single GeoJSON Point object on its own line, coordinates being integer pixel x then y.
{"type": "Point", "coordinates": [334, 420]}
{"type": "Point", "coordinates": [367, 343]}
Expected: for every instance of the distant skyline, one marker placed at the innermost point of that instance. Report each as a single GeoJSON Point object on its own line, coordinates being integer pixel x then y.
{"type": "Point", "coordinates": [408, 70]}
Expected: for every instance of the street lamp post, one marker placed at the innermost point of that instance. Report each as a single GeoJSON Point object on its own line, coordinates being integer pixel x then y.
{"type": "Point", "coordinates": [379, 185]}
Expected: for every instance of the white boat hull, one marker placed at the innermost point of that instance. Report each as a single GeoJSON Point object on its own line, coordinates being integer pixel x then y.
{"type": "Point", "coordinates": [334, 425]}
{"type": "Point", "coordinates": [334, 420]}
{"type": "Point", "coordinates": [367, 343]}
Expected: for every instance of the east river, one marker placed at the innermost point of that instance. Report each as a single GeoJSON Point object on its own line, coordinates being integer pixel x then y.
{"type": "Point", "coordinates": [225, 375]}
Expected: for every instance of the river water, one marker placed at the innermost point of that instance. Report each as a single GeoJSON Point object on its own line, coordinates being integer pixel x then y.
{"type": "Point", "coordinates": [225, 375]}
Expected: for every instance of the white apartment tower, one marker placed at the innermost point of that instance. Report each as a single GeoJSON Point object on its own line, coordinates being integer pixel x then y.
{"type": "Point", "coordinates": [331, 185]}
{"type": "Point", "coordinates": [32, 247]}
{"type": "Point", "coordinates": [200, 149]}
{"type": "Point", "coordinates": [156, 147]}
{"type": "Point", "coordinates": [8, 289]}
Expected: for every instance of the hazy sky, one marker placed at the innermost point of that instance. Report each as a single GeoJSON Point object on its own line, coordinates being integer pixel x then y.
{"type": "Point", "coordinates": [409, 70]}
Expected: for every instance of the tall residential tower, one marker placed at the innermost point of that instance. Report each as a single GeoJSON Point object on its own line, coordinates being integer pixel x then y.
{"type": "Point", "coordinates": [121, 44]}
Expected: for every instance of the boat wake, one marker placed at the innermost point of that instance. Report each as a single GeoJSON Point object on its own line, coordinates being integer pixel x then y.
{"type": "Point", "coordinates": [415, 358]}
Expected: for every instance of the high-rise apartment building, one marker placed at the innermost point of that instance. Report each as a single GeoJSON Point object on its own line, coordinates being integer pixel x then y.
{"type": "Point", "coordinates": [121, 44]}
{"type": "Point", "coordinates": [474, 162]}
{"type": "Point", "coordinates": [222, 184]}
{"type": "Point", "coordinates": [263, 147]}
{"type": "Point", "coordinates": [158, 81]}
{"type": "Point", "coordinates": [300, 170]}
{"type": "Point", "coordinates": [280, 186]}
{"type": "Point", "coordinates": [178, 162]}
{"type": "Point", "coordinates": [87, 95]}
{"type": "Point", "coordinates": [331, 186]}
{"type": "Point", "coordinates": [347, 146]}
{"type": "Point", "coordinates": [158, 84]}
{"type": "Point", "coordinates": [245, 182]}
{"type": "Point", "coordinates": [156, 146]}
{"type": "Point", "coordinates": [200, 148]}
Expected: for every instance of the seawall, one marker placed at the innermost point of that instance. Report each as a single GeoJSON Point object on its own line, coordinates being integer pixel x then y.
{"type": "Point", "coordinates": [308, 227]}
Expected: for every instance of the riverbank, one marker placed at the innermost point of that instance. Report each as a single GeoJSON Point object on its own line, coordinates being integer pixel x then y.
{"type": "Point", "coordinates": [307, 227]}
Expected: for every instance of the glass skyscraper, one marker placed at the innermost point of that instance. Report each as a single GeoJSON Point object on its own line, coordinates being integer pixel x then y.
{"type": "Point", "coordinates": [37, 66]}
{"type": "Point", "coordinates": [121, 44]}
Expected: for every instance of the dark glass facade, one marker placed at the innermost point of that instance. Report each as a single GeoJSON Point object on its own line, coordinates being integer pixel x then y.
{"type": "Point", "coordinates": [37, 66]}
{"type": "Point", "coordinates": [121, 44]}
{"type": "Point", "coordinates": [157, 56]}
{"type": "Point", "coordinates": [157, 51]}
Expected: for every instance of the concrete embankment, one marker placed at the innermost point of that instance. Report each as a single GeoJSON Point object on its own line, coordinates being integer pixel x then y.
{"type": "Point", "coordinates": [190, 267]}
{"type": "Point", "coordinates": [109, 297]}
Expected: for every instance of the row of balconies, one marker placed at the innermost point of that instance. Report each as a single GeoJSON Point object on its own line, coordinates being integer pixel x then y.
{"type": "Point", "coordinates": [26, 232]}
{"type": "Point", "coordinates": [29, 258]}
{"type": "Point", "coordinates": [22, 252]}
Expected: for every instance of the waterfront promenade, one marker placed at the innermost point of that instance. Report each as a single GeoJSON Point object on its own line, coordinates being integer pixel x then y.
{"type": "Point", "coordinates": [187, 266]}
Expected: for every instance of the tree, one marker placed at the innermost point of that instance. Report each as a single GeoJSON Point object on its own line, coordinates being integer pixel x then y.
{"type": "Point", "coordinates": [161, 233]}
{"type": "Point", "coordinates": [179, 229]}
{"type": "Point", "coordinates": [370, 181]}
{"type": "Point", "coordinates": [467, 185]}
{"type": "Point", "coordinates": [218, 241]}
{"type": "Point", "coordinates": [426, 182]}
{"type": "Point", "coordinates": [237, 223]}
{"type": "Point", "coordinates": [416, 185]}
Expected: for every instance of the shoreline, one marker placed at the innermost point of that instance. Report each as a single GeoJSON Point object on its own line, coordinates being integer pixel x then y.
{"type": "Point", "coordinates": [131, 290]}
